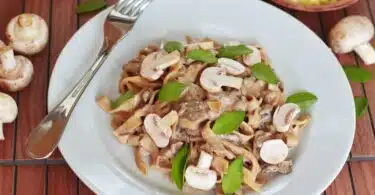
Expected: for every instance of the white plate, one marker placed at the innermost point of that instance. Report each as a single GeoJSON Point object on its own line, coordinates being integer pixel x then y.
{"type": "Point", "coordinates": [299, 57]}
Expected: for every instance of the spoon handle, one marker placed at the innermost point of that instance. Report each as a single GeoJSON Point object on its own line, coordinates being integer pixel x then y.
{"type": "Point", "coordinates": [44, 139]}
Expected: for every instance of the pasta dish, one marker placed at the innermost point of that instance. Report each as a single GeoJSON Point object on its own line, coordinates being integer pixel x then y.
{"type": "Point", "coordinates": [210, 116]}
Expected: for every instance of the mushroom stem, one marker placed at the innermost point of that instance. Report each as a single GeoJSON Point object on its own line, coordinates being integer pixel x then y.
{"type": "Point", "coordinates": [7, 60]}
{"type": "Point", "coordinates": [1, 131]}
{"type": "Point", "coordinates": [26, 28]}
{"type": "Point", "coordinates": [168, 119]}
{"type": "Point", "coordinates": [230, 81]}
{"type": "Point", "coordinates": [205, 160]}
{"type": "Point", "coordinates": [366, 52]}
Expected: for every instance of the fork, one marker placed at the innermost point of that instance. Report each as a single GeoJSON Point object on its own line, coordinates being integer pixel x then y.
{"type": "Point", "coordinates": [44, 138]}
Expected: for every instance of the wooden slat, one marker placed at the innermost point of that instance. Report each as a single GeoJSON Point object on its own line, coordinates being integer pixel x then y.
{"type": "Point", "coordinates": [6, 180]}
{"type": "Point", "coordinates": [311, 20]}
{"type": "Point", "coordinates": [363, 177]}
{"type": "Point", "coordinates": [84, 190]}
{"type": "Point", "coordinates": [61, 180]}
{"type": "Point", "coordinates": [63, 15]}
{"type": "Point", "coordinates": [32, 100]}
{"type": "Point", "coordinates": [371, 6]}
{"type": "Point", "coordinates": [8, 9]}
{"type": "Point", "coordinates": [30, 180]}
{"type": "Point", "coordinates": [367, 147]}
{"type": "Point", "coordinates": [364, 144]}
{"type": "Point", "coordinates": [342, 184]}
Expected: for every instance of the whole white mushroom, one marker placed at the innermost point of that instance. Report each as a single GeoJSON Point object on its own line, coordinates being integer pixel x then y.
{"type": "Point", "coordinates": [8, 111]}
{"type": "Point", "coordinates": [27, 33]}
{"type": "Point", "coordinates": [353, 33]}
{"type": "Point", "coordinates": [16, 72]}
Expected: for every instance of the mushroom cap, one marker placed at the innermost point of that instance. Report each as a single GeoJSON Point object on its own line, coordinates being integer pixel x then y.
{"type": "Point", "coordinates": [284, 116]}
{"type": "Point", "coordinates": [231, 66]}
{"type": "Point", "coordinates": [213, 78]}
{"type": "Point", "coordinates": [254, 57]}
{"type": "Point", "coordinates": [350, 32]}
{"type": "Point", "coordinates": [27, 33]}
{"type": "Point", "coordinates": [203, 179]}
{"type": "Point", "coordinates": [157, 134]}
{"type": "Point", "coordinates": [25, 75]}
{"type": "Point", "coordinates": [8, 108]}
{"type": "Point", "coordinates": [274, 151]}
{"type": "Point", "coordinates": [154, 64]}
{"type": "Point", "coordinates": [2, 44]}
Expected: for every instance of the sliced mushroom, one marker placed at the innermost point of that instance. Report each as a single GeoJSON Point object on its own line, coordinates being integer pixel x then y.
{"type": "Point", "coordinates": [15, 71]}
{"type": "Point", "coordinates": [128, 105]}
{"type": "Point", "coordinates": [285, 115]}
{"type": "Point", "coordinates": [8, 111]}
{"type": "Point", "coordinates": [274, 151]}
{"type": "Point", "coordinates": [155, 63]}
{"type": "Point", "coordinates": [104, 103]}
{"type": "Point", "coordinates": [231, 66]}
{"type": "Point", "coordinates": [200, 176]}
{"type": "Point", "coordinates": [159, 128]}
{"type": "Point", "coordinates": [27, 33]}
{"type": "Point", "coordinates": [254, 57]}
{"type": "Point", "coordinates": [214, 78]}
{"type": "Point", "coordinates": [354, 33]}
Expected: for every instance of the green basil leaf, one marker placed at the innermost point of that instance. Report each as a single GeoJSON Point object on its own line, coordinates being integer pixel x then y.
{"type": "Point", "coordinates": [303, 99]}
{"type": "Point", "coordinates": [91, 5]}
{"type": "Point", "coordinates": [357, 74]}
{"type": "Point", "coordinates": [123, 97]}
{"type": "Point", "coordinates": [234, 51]}
{"type": "Point", "coordinates": [179, 163]}
{"type": "Point", "coordinates": [173, 46]}
{"type": "Point", "coordinates": [232, 180]}
{"type": "Point", "coordinates": [361, 104]}
{"type": "Point", "coordinates": [228, 122]}
{"type": "Point", "coordinates": [263, 72]}
{"type": "Point", "coordinates": [171, 91]}
{"type": "Point", "coordinates": [202, 56]}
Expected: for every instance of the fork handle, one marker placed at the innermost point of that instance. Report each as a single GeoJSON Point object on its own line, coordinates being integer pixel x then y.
{"type": "Point", "coordinates": [44, 139]}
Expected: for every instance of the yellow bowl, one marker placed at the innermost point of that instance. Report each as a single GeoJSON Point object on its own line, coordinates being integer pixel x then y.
{"type": "Point", "coordinates": [316, 8]}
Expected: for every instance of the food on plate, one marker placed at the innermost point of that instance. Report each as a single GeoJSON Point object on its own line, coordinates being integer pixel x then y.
{"type": "Point", "coordinates": [209, 114]}
{"type": "Point", "coordinates": [16, 72]}
{"type": "Point", "coordinates": [27, 33]}
{"type": "Point", "coordinates": [8, 111]}
{"type": "Point", "coordinates": [354, 33]}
